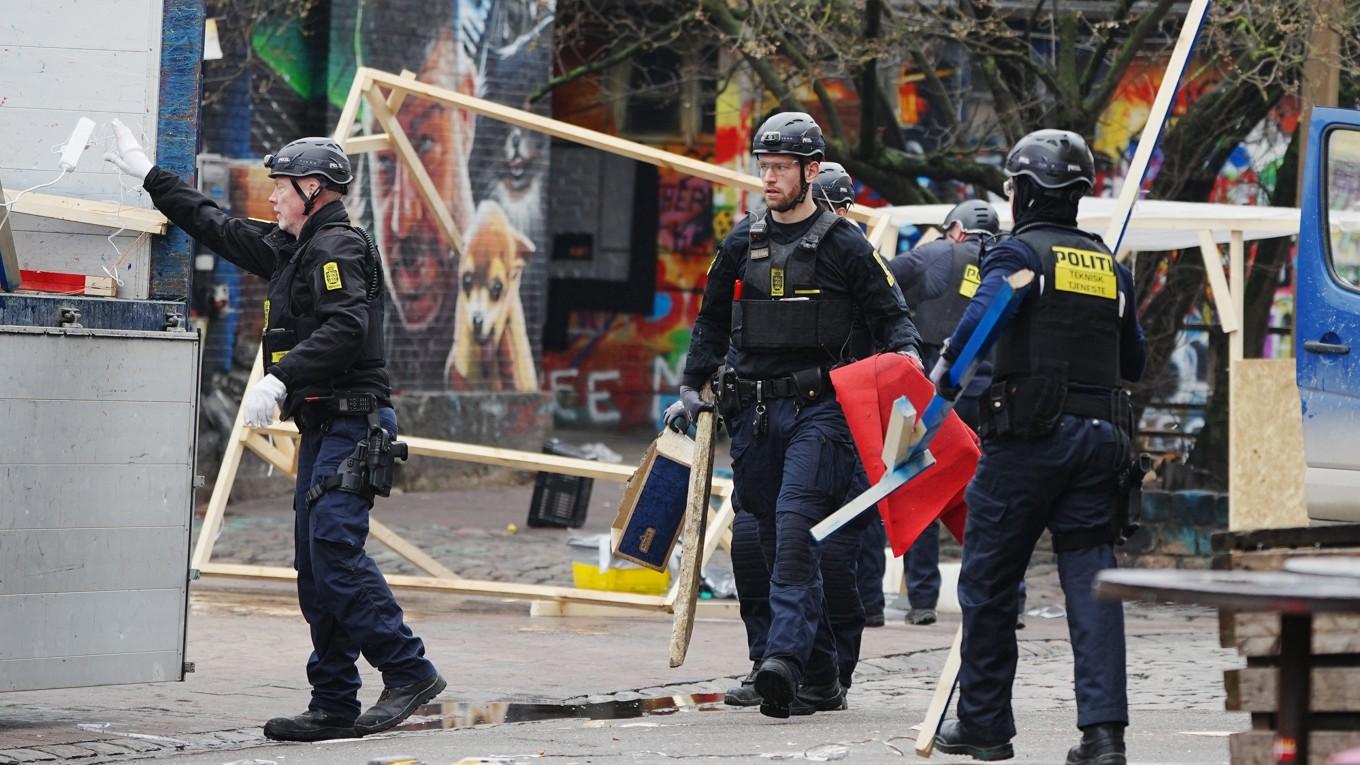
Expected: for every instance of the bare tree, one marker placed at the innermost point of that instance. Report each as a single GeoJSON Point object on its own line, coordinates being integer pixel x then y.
{"type": "Point", "coordinates": [991, 71]}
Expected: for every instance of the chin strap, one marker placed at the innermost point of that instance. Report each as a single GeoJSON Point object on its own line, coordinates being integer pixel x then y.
{"type": "Point", "coordinates": [308, 202]}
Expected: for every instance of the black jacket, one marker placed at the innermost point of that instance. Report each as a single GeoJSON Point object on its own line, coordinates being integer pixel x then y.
{"type": "Point", "coordinates": [324, 361]}
{"type": "Point", "coordinates": [847, 268]}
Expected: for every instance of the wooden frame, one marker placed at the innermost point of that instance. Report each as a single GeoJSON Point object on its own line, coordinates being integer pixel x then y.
{"type": "Point", "coordinates": [277, 445]}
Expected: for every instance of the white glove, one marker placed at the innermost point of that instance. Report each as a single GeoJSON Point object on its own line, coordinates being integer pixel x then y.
{"type": "Point", "coordinates": [260, 399]}
{"type": "Point", "coordinates": [131, 157]}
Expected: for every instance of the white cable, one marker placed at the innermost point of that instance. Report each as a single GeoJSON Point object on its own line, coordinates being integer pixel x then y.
{"type": "Point", "coordinates": [9, 206]}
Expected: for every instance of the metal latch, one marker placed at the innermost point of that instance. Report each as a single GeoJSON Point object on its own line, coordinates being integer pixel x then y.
{"type": "Point", "coordinates": [70, 317]}
{"type": "Point", "coordinates": [174, 322]}
{"type": "Point", "coordinates": [188, 667]}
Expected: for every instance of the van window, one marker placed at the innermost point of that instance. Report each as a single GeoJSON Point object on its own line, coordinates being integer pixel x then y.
{"type": "Point", "coordinates": [1343, 205]}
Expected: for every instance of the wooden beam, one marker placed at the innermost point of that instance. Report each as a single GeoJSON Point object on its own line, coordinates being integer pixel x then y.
{"type": "Point", "coordinates": [584, 136]}
{"type": "Point", "coordinates": [692, 534]}
{"type": "Point", "coordinates": [350, 110]}
{"type": "Point", "coordinates": [397, 97]}
{"type": "Point", "coordinates": [1228, 318]}
{"type": "Point", "coordinates": [1157, 117]}
{"type": "Point", "coordinates": [1256, 689]}
{"type": "Point", "coordinates": [94, 212]}
{"type": "Point", "coordinates": [1238, 287]}
{"type": "Point", "coordinates": [461, 587]}
{"type": "Point", "coordinates": [412, 554]}
{"type": "Point", "coordinates": [269, 453]}
{"type": "Point", "coordinates": [226, 477]}
{"type": "Point", "coordinates": [939, 700]}
{"type": "Point", "coordinates": [707, 609]}
{"type": "Point", "coordinates": [406, 153]}
{"type": "Point", "coordinates": [363, 144]}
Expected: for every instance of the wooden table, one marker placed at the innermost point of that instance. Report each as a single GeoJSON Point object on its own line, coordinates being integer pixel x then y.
{"type": "Point", "coordinates": [1295, 596]}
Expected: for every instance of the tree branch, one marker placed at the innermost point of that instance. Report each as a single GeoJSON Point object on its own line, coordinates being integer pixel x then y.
{"type": "Point", "coordinates": [1103, 50]}
{"type": "Point", "coordinates": [1095, 103]}
{"type": "Point", "coordinates": [723, 20]}
{"type": "Point", "coordinates": [619, 56]}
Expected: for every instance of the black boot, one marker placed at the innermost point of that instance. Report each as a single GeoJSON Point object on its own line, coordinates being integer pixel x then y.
{"type": "Point", "coordinates": [1100, 745]}
{"type": "Point", "coordinates": [777, 687]}
{"type": "Point", "coordinates": [311, 725]}
{"type": "Point", "coordinates": [818, 698]}
{"type": "Point", "coordinates": [953, 738]}
{"type": "Point", "coordinates": [397, 704]}
{"type": "Point", "coordinates": [743, 695]}
{"type": "Point", "coordinates": [874, 619]}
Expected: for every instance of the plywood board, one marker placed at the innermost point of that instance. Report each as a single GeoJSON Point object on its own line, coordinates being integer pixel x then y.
{"type": "Point", "coordinates": [1334, 689]}
{"type": "Point", "coordinates": [1265, 462]}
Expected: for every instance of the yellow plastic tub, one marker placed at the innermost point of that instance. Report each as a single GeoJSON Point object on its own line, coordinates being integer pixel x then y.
{"type": "Point", "coordinates": [639, 580]}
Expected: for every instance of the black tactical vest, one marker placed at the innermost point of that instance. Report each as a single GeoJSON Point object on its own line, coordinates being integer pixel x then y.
{"type": "Point", "coordinates": [781, 306]}
{"type": "Point", "coordinates": [936, 317]}
{"type": "Point", "coordinates": [1071, 329]}
{"type": "Point", "coordinates": [283, 329]}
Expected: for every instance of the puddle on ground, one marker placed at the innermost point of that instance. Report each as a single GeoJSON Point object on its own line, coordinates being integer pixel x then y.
{"type": "Point", "coordinates": [444, 715]}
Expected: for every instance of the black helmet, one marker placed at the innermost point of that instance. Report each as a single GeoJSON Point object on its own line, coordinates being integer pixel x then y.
{"type": "Point", "coordinates": [976, 217]}
{"type": "Point", "coordinates": [1054, 159]}
{"type": "Point", "coordinates": [793, 133]}
{"type": "Point", "coordinates": [833, 186]}
{"type": "Point", "coordinates": [312, 156]}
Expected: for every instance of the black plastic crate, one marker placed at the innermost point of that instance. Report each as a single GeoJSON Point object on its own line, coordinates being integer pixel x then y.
{"type": "Point", "coordinates": [560, 500]}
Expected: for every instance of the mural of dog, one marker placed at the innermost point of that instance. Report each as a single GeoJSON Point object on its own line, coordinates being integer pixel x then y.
{"type": "Point", "coordinates": [518, 186]}
{"type": "Point", "coordinates": [491, 347]}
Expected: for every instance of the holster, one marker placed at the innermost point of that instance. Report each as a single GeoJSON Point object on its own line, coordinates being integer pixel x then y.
{"type": "Point", "coordinates": [1023, 409]}
{"type": "Point", "coordinates": [368, 470]}
{"type": "Point", "coordinates": [729, 395]}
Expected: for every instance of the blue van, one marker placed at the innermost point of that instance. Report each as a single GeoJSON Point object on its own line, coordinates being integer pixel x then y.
{"type": "Point", "coordinates": [1328, 315]}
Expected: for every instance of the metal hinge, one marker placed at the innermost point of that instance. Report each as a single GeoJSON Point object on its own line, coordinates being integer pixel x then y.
{"type": "Point", "coordinates": [200, 482]}
{"type": "Point", "coordinates": [194, 574]}
{"type": "Point", "coordinates": [188, 667]}
{"type": "Point", "coordinates": [174, 322]}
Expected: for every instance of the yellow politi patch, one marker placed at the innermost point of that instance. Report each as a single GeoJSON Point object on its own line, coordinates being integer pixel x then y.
{"type": "Point", "coordinates": [883, 264]}
{"type": "Point", "coordinates": [266, 313]}
{"type": "Point", "coordinates": [776, 282]}
{"type": "Point", "coordinates": [971, 279]}
{"type": "Point", "coordinates": [1085, 272]}
{"type": "Point", "coordinates": [331, 272]}
{"type": "Point", "coordinates": [277, 356]}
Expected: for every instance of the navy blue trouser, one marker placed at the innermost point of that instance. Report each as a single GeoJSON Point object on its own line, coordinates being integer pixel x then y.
{"type": "Point", "coordinates": [923, 570]}
{"type": "Point", "coordinates": [872, 563]}
{"type": "Point", "coordinates": [1065, 481]}
{"type": "Point", "coordinates": [343, 596]}
{"type": "Point", "coordinates": [845, 614]}
{"type": "Point", "coordinates": [795, 473]}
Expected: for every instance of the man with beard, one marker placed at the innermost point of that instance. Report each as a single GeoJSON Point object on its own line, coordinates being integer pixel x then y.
{"type": "Point", "coordinates": [1056, 429]}
{"type": "Point", "coordinates": [794, 292]}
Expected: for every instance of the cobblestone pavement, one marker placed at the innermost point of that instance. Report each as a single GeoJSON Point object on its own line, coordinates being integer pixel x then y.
{"type": "Point", "coordinates": [250, 648]}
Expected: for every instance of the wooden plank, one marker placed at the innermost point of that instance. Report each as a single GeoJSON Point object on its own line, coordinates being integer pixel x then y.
{"type": "Point", "coordinates": [1257, 747]}
{"type": "Point", "coordinates": [363, 144]}
{"type": "Point", "coordinates": [1256, 689]}
{"type": "Point", "coordinates": [407, 155]}
{"type": "Point", "coordinates": [692, 536]}
{"type": "Point", "coordinates": [1237, 281]}
{"type": "Point", "coordinates": [109, 214]}
{"type": "Point", "coordinates": [397, 97]}
{"type": "Point", "coordinates": [1258, 634]}
{"type": "Point", "coordinates": [939, 701]}
{"type": "Point", "coordinates": [267, 452]}
{"type": "Point", "coordinates": [412, 554]}
{"type": "Point", "coordinates": [1228, 319]}
{"type": "Point", "coordinates": [226, 477]}
{"type": "Point", "coordinates": [1327, 536]}
{"type": "Point", "coordinates": [1152, 129]}
{"type": "Point", "coordinates": [345, 125]}
{"type": "Point", "coordinates": [476, 587]}
{"type": "Point", "coordinates": [707, 609]}
{"type": "Point", "coordinates": [586, 137]}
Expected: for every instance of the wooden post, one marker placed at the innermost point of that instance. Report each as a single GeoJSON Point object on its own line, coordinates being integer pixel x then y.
{"type": "Point", "coordinates": [939, 701]}
{"type": "Point", "coordinates": [1238, 276]}
{"type": "Point", "coordinates": [1225, 300]}
{"type": "Point", "coordinates": [1152, 130]}
{"type": "Point", "coordinates": [696, 516]}
{"type": "Point", "coordinates": [226, 476]}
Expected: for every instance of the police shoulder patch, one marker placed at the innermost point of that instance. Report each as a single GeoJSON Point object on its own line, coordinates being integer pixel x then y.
{"type": "Point", "coordinates": [331, 273]}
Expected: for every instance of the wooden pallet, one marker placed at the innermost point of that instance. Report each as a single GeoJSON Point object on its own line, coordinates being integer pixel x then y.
{"type": "Point", "coordinates": [1334, 692]}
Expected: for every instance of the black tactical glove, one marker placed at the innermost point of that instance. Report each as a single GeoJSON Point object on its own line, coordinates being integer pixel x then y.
{"type": "Point", "coordinates": [683, 413]}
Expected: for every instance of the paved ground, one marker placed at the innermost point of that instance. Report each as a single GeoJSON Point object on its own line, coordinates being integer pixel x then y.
{"type": "Point", "coordinates": [603, 681]}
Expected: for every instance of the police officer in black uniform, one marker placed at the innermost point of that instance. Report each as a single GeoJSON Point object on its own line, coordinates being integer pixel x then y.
{"type": "Point", "coordinates": [323, 352]}
{"type": "Point", "coordinates": [807, 278]}
{"type": "Point", "coordinates": [854, 596]}
{"type": "Point", "coordinates": [938, 280]}
{"type": "Point", "coordinates": [1056, 437]}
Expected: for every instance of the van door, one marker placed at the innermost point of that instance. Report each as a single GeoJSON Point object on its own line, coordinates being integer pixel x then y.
{"type": "Point", "coordinates": [1327, 325]}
